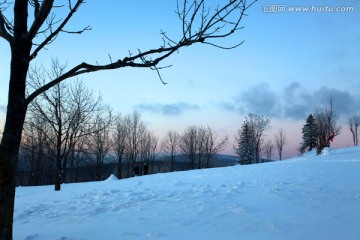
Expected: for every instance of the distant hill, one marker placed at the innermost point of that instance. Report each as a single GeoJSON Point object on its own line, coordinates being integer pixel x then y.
{"type": "Point", "coordinates": [221, 160]}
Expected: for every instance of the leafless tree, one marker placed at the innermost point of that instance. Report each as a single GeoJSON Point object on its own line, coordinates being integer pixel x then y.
{"type": "Point", "coordinates": [328, 127]}
{"type": "Point", "coordinates": [79, 157]}
{"type": "Point", "coordinates": [212, 146]}
{"type": "Point", "coordinates": [99, 143]}
{"type": "Point", "coordinates": [268, 149]}
{"type": "Point", "coordinates": [35, 151]}
{"type": "Point", "coordinates": [200, 144]}
{"type": "Point", "coordinates": [148, 146]}
{"type": "Point", "coordinates": [135, 129]}
{"type": "Point", "coordinates": [170, 146]}
{"type": "Point", "coordinates": [153, 143]}
{"type": "Point", "coordinates": [188, 144]}
{"type": "Point", "coordinates": [354, 122]}
{"type": "Point", "coordinates": [280, 141]}
{"type": "Point", "coordinates": [68, 110]}
{"type": "Point", "coordinates": [119, 143]}
{"type": "Point", "coordinates": [258, 125]}
{"type": "Point", "coordinates": [28, 36]}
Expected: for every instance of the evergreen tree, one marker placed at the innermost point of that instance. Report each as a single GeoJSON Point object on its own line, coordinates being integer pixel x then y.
{"type": "Point", "coordinates": [246, 144]}
{"type": "Point", "coordinates": [310, 134]}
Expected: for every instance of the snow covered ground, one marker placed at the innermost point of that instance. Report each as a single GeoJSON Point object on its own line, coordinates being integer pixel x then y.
{"type": "Point", "coordinates": [310, 197]}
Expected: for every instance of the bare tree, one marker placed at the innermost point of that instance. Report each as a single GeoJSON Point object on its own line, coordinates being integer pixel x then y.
{"type": "Point", "coordinates": [170, 146]}
{"type": "Point", "coordinates": [212, 146]}
{"type": "Point", "coordinates": [200, 144]}
{"type": "Point", "coordinates": [69, 111]}
{"type": "Point", "coordinates": [100, 144]}
{"type": "Point", "coordinates": [268, 149]}
{"type": "Point", "coordinates": [119, 143]}
{"type": "Point", "coordinates": [280, 141]}
{"type": "Point", "coordinates": [28, 36]}
{"type": "Point", "coordinates": [35, 151]}
{"type": "Point", "coordinates": [258, 125]}
{"type": "Point", "coordinates": [148, 146]}
{"type": "Point", "coordinates": [78, 157]}
{"type": "Point", "coordinates": [135, 130]}
{"type": "Point", "coordinates": [153, 143]}
{"type": "Point", "coordinates": [188, 144]}
{"type": "Point", "coordinates": [328, 127]}
{"type": "Point", "coordinates": [354, 122]}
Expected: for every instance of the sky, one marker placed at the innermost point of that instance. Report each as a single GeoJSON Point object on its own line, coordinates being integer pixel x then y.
{"type": "Point", "coordinates": [289, 64]}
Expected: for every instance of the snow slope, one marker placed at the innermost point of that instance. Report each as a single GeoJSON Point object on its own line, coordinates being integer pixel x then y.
{"type": "Point", "coordinates": [310, 197]}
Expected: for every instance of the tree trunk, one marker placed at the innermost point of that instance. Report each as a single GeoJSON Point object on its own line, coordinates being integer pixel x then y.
{"type": "Point", "coordinates": [8, 160]}
{"type": "Point", "coordinates": [58, 174]}
{"type": "Point", "coordinates": [119, 170]}
{"type": "Point", "coordinates": [172, 162]}
{"type": "Point", "coordinates": [58, 181]}
{"type": "Point", "coordinates": [15, 117]}
{"type": "Point", "coordinates": [9, 150]}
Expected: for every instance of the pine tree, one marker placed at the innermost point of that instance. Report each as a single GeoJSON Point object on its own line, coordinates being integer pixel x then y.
{"type": "Point", "coordinates": [246, 145]}
{"type": "Point", "coordinates": [310, 134]}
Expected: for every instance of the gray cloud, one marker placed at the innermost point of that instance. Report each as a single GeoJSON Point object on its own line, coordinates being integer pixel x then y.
{"type": "Point", "coordinates": [293, 102]}
{"type": "Point", "coordinates": [299, 102]}
{"type": "Point", "coordinates": [344, 102]}
{"type": "Point", "coordinates": [174, 109]}
{"type": "Point", "coordinates": [259, 99]}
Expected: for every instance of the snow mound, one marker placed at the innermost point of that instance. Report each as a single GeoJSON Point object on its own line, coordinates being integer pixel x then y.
{"type": "Point", "coordinates": [308, 197]}
{"type": "Point", "coordinates": [111, 178]}
{"type": "Point", "coordinates": [309, 154]}
{"type": "Point", "coordinates": [326, 151]}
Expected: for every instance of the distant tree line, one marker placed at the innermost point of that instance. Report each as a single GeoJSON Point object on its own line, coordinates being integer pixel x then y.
{"type": "Point", "coordinates": [121, 142]}
{"type": "Point", "coordinates": [69, 129]}
{"type": "Point", "coordinates": [319, 131]}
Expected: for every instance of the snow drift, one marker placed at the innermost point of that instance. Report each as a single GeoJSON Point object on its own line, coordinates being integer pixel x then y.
{"type": "Point", "coordinates": [309, 197]}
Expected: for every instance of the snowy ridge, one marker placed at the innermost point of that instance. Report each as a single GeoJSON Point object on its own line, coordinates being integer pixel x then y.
{"type": "Point", "coordinates": [309, 197]}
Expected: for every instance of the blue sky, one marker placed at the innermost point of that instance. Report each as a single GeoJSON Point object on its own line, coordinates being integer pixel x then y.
{"type": "Point", "coordinates": [289, 63]}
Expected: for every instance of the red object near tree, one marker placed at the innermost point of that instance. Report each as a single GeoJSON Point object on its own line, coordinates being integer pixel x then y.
{"type": "Point", "coordinates": [331, 137]}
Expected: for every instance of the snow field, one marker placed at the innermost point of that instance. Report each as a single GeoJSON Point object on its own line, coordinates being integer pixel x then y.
{"type": "Point", "coordinates": [309, 197]}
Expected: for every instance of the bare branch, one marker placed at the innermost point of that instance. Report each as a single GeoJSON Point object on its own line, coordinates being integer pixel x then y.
{"type": "Point", "coordinates": [158, 72]}
{"type": "Point", "coordinates": [126, 62]}
{"type": "Point", "coordinates": [193, 32]}
{"type": "Point", "coordinates": [59, 29]}
{"type": "Point", "coordinates": [6, 28]}
{"type": "Point", "coordinates": [199, 23]}
{"type": "Point", "coordinates": [36, 7]}
{"type": "Point", "coordinates": [87, 28]}
{"type": "Point", "coordinates": [42, 12]}
{"type": "Point", "coordinates": [225, 48]}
